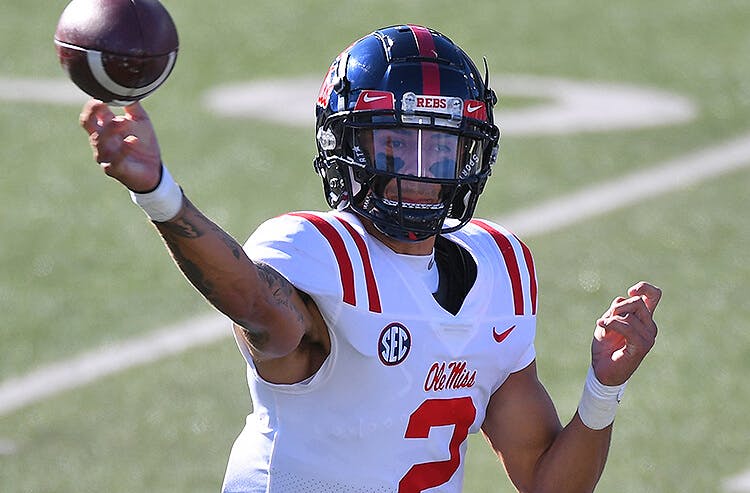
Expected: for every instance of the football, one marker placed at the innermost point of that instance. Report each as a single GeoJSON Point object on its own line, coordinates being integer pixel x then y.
{"type": "Point", "coordinates": [118, 51]}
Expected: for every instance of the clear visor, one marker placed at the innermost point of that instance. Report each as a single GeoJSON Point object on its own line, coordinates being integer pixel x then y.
{"type": "Point", "coordinates": [422, 153]}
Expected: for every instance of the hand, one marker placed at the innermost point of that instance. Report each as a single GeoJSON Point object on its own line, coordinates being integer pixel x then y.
{"type": "Point", "coordinates": [124, 146]}
{"type": "Point", "coordinates": [624, 334]}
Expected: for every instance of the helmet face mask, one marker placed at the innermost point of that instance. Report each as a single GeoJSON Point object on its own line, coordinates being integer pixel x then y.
{"type": "Point", "coordinates": [405, 134]}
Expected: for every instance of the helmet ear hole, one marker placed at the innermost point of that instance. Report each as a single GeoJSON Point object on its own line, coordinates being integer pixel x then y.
{"type": "Point", "coordinates": [335, 186]}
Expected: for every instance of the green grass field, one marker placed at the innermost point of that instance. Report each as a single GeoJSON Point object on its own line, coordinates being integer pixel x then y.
{"type": "Point", "coordinates": [80, 267]}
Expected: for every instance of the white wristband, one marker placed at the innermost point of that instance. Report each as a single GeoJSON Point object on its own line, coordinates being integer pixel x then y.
{"type": "Point", "coordinates": [164, 202]}
{"type": "Point", "coordinates": [599, 402]}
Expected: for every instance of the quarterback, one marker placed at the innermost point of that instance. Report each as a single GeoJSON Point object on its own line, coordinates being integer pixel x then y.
{"type": "Point", "coordinates": [380, 333]}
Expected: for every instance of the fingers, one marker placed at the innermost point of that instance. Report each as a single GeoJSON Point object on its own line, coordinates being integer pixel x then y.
{"type": "Point", "coordinates": [96, 114]}
{"type": "Point", "coordinates": [650, 294]}
{"type": "Point", "coordinates": [623, 339]}
{"type": "Point", "coordinates": [108, 141]}
{"type": "Point", "coordinates": [612, 305]}
{"type": "Point", "coordinates": [135, 111]}
{"type": "Point", "coordinates": [634, 305]}
{"type": "Point", "coordinates": [110, 135]}
{"type": "Point", "coordinates": [643, 300]}
{"type": "Point", "coordinates": [93, 115]}
{"type": "Point", "coordinates": [632, 329]}
{"type": "Point", "coordinates": [631, 318]}
{"type": "Point", "coordinates": [124, 145]}
{"type": "Point", "coordinates": [97, 119]}
{"type": "Point", "coordinates": [625, 333]}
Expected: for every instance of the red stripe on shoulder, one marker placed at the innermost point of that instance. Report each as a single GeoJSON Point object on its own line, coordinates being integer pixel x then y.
{"type": "Point", "coordinates": [511, 262]}
{"type": "Point", "coordinates": [532, 273]}
{"type": "Point", "coordinates": [346, 270]}
{"type": "Point", "coordinates": [373, 297]}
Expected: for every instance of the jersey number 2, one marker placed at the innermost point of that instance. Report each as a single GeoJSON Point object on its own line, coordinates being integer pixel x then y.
{"type": "Point", "coordinates": [459, 412]}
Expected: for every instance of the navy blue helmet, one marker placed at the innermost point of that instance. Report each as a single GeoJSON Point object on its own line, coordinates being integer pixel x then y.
{"type": "Point", "coordinates": [401, 106]}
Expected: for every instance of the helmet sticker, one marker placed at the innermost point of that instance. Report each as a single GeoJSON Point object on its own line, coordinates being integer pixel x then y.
{"type": "Point", "coordinates": [328, 82]}
{"type": "Point", "coordinates": [375, 100]}
{"type": "Point", "coordinates": [448, 110]}
{"type": "Point", "coordinates": [359, 156]}
{"type": "Point", "coordinates": [475, 109]}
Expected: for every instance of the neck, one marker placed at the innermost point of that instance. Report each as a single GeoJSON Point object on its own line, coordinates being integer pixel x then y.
{"type": "Point", "coordinates": [423, 247]}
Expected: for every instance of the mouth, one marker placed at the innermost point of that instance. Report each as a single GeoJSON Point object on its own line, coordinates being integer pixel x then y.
{"type": "Point", "coordinates": [413, 194]}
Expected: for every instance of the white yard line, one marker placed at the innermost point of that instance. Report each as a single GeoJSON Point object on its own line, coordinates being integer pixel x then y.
{"type": "Point", "coordinates": [34, 90]}
{"type": "Point", "coordinates": [565, 107]}
{"type": "Point", "coordinates": [739, 483]}
{"type": "Point", "coordinates": [47, 381]}
{"type": "Point", "coordinates": [56, 378]}
{"type": "Point", "coordinates": [631, 189]}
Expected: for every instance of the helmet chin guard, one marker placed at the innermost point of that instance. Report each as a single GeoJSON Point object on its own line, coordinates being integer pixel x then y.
{"type": "Point", "coordinates": [405, 221]}
{"type": "Point", "coordinates": [405, 132]}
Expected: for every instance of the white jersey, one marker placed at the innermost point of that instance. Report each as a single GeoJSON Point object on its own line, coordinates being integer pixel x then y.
{"type": "Point", "coordinates": [405, 382]}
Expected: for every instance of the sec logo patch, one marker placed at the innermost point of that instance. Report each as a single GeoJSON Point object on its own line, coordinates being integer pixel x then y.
{"type": "Point", "coordinates": [394, 344]}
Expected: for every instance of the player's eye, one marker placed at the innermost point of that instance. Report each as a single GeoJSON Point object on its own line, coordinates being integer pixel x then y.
{"type": "Point", "coordinates": [395, 144]}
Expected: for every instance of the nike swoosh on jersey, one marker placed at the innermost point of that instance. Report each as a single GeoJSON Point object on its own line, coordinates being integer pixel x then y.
{"type": "Point", "coordinates": [472, 109]}
{"type": "Point", "coordinates": [503, 335]}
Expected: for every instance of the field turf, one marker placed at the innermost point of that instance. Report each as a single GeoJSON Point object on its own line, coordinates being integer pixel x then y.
{"type": "Point", "coordinates": [80, 267]}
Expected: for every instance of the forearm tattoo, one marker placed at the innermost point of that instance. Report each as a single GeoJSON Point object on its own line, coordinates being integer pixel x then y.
{"type": "Point", "coordinates": [180, 228]}
{"type": "Point", "coordinates": [190, 227]}
{"type": "Point", "coordinates": [197, 227]}
{"type": "Point", "coordinates": [196, 258]}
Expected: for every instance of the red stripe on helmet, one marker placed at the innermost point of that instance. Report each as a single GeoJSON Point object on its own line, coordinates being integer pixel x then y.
{"type": "Point", "coordinates": [430, 71]}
